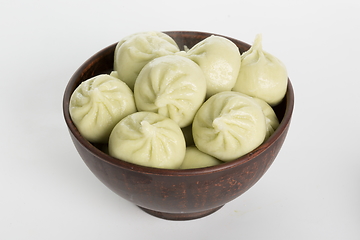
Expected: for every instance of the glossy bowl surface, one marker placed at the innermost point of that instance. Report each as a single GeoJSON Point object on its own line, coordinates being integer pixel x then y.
{"type": "Point", "coordinates": [175, 194]}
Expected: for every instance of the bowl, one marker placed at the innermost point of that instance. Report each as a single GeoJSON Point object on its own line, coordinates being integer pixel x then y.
{"type": "Point", "coordinates": [168, 193]}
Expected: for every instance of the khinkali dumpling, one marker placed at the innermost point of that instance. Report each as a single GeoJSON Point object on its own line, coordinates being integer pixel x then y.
{"type": "Point", "coordinates": [148, 139]}
{"type": "Point", "coordinates": [229, 125]}
{"type": "Point", "coordinates": [98, 104]}
{"type": "Point", "coordinates": [194, 158]}
{"type": "Point", "coordinates": [262, 75]}
{"type": "Point", "coordinates": [272, 122]}
{"type": "Point", "coordinates": [173, 86]}
{"type": "Point", "coordinates": [220, 60]}
{"type": "Point", "coordinates": [133, 52]}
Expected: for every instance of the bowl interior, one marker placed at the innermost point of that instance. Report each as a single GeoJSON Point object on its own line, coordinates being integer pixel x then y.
{"type": "Point", "coordinates": [102, 62]}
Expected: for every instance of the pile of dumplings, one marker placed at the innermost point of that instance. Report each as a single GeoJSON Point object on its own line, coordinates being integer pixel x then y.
{"type": "Point", "coordinates": [163, 107]}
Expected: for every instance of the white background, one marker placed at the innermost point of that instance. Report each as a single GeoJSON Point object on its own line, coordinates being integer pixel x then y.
{"type": "Point", "coordinates": [312, 191]}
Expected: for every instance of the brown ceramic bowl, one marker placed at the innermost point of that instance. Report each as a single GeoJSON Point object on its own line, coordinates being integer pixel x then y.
{"type": "Point", "coordinates": [176, 194]}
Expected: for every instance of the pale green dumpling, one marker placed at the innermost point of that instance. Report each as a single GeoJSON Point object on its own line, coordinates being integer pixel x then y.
{"type": "Point", "coordinates": [272, 122]}
{"type": "Point", "coordinates": [172, 86]}
{"type": "Point", "coordinates": [194, 158]}
{"type": "Point", "coordinates": [148, 139]}
{"type": "Point", "coordinates": [262, 75]}
{"type": "Point", "coordinates": [98, 104]}
{"type": "Point", "coordinates": [220, 60]}
{"type": "Point", "coordinates": [133, 52]}
{"type": "Point", "coordinates": [229, 125]}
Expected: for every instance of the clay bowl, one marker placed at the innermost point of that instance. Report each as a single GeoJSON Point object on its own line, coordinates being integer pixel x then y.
{"type": "Point", "coordinates": [175, 194]}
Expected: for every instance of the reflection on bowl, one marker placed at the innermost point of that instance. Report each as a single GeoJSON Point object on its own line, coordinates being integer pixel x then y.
{"type": "Point", "coordinates": [176, 194]}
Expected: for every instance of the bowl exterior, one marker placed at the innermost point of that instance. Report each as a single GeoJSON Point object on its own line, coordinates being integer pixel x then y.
{"type": "Point", "coordinates": [180, 193]}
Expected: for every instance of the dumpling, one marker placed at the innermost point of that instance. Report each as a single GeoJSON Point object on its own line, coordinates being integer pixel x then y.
{"type": "Point", "coordinates": [148, 139]}
{"type": "Point", "coordinates": [229, 125]}
{"type": "Point", "coordinates": [272, 122]}
{"type": "Point", "coordinates": [220, 60]}
{"type": "Point", "coordinates": [262, 75]}
{"type": "Point", "coordinates": [132, 53]}
{"type": "Point", "coordinates": [194, 158]}
{"type": "Point", "coordinates": [173, 86]}
{"type": "Point", "coordinates": [98, 104]}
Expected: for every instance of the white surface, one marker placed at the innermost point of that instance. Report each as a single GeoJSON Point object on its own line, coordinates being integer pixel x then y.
{"type": "Point", "coordinates": [312, 191]}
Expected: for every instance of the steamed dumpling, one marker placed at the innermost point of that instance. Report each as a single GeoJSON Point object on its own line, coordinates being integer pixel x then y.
{"type": "Point", "coordinates": [220, 60]}
{"type": "Point", "coordinates": [229, 125]}
{"type": "Point", "coordinates": [133, 52]}
{"type": "Point", "coordinates": [262, 75]}
{"type": "Point", "coordinates": [173, 86]}
{"type": "Point", "coordinates": [148, 139]}
{"type": "Point", "coordinates": [98, 104]}
{"type": "Point", "coordinates": [197, 159]}
{"type": "Point", "coordinates": [272, 122]}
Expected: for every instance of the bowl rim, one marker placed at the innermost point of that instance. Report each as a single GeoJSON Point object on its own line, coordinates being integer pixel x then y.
{"type": "Point", "coordinates": [289, 97]}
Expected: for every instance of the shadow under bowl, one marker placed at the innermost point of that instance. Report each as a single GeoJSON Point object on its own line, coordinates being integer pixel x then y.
{"type": "Point", "coordinates": [176, 194]}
